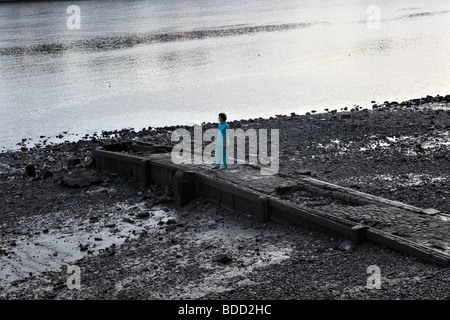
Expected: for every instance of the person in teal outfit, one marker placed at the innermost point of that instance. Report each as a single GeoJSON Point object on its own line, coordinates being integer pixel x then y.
{"type": "Point", "coordinates": [222, 142]}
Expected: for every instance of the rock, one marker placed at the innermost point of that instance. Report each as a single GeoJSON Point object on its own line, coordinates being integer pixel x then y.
{"type": "Point", "coordinates": [223, 258]}
{"type": "Point", "coordinates": [143, 215]}
{"type": "Point", "coordinates": [433, 225]}
{"type": "Point", "coordinates": [171, 221]}
{"type": "Point", "coordinates": [431, 211]}
{"type": "Point", "coordinates": [46, 174]}
{"type": "Point", "coordinates": [129, 220]}
{"type": "Point", "coordinates": [346, 246]}
{"type": "Point", "coordinates": [84, 247]}
{"type": "Point", "coordinates": [81, 179]}
{"type": "Point", "coordinates": [30, 171]}
{"type": "Point", "coordinates": [73, 162]}
{"type": "Point", "coordinates": [170, 227]}
{"type": "Point", "coordinates": [57, 284]}
{"type": "Point", "coordinates": [321, 249]}
{"type": "Point", "coordinates": [94, 219]}
{"type": "Point", "coordinates": [418, 147]}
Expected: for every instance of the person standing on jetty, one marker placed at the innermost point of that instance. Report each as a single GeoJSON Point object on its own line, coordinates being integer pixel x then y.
{"type": "Point", "coordinates": [222, 142]}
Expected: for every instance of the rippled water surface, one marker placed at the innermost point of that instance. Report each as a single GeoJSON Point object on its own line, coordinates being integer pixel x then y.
{"type": "Point", "coordinates": [155, 63]}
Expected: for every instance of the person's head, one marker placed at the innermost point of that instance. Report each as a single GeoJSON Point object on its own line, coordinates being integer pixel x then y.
{"type": "Point", "coordinates": [222, 117]}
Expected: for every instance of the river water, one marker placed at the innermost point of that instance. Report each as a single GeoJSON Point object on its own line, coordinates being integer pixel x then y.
{"type": "Point", "coordinates": [155, 63]}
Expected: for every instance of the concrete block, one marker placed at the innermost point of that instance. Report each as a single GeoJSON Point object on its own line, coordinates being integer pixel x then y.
{"type": "Point", "coordinates": [358, 234]}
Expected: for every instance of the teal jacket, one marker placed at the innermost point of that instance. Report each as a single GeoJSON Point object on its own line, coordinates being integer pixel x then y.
{"type": "Point", "coordinates": [222, 133]}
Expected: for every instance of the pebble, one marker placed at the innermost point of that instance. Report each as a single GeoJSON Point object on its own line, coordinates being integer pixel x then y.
{"type": "Point", "coordinates": [143, 215]}
{"type": "Point", "coordinates": [223, 258]}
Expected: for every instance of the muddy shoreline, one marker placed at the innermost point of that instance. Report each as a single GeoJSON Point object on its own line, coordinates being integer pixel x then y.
{"type": "Point", "coordinates": [131, 243]}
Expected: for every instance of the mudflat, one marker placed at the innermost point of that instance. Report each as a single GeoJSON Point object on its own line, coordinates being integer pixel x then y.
{"type": "Point", "coordinates": [130, 242]}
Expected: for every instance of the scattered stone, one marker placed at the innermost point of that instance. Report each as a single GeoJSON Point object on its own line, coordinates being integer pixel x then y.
{"type": "Point", "coordinates": [81, 179]}
{"type": "Point", "coordinates": [94, 219]}
{"type": "Point", "coordinates": [46, 174]}
{"type": "Point", "coordinates": [433, 225]}
{"type": "Point", "coordinates": [73, 162]}
{"type": "Point", "coordinates": [170, 227]}
{"type": "Point", "coordinates": [30, 171]}
{"type": "Point", "coordinates": [223, 258]}
{"type": "Point", "coordinates": [129, 220]}
{"type": "Point", "coordinates": [346, 246]}
{"type": "Point", "coordinates": [431, 211]}
{"type": "Point", "coordinates": [143, 215]}
{"type": "Point", "coordinates": [171, 221]}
